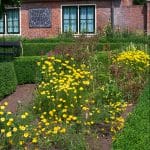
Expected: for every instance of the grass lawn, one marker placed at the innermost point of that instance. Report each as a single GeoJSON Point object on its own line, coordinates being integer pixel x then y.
{"type": "Point", "coordinates": [136, 134]}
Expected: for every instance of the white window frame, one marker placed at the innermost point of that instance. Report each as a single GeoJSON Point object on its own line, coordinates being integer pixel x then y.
{"type": "Point", "coordinates": [78, 5]}
{"type": "Point", "coordinates": [7, 34]}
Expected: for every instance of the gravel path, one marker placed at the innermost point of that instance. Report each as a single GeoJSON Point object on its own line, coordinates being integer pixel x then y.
{"type": "Point", "coordinates": [23, 94]}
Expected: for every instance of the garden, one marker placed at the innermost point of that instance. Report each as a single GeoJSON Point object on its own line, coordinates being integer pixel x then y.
{"type": "Point", "coordinates": [91, 93]}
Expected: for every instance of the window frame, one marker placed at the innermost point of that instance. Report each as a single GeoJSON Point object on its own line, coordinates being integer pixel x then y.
{"type": "Point", "coordinates": [6, 22]}
{"type": "Point", "coordinates": [78, 5]}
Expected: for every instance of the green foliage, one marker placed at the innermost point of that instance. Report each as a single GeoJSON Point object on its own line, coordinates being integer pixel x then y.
{"type": "Point", "coordinates": [37, 49]}
{"type": "Point", "coordinates": [8, 81]}
{"type": "Point", "coordinates": [119, 38]}
{"type": "Point", "coordinates": [139, 2]}
{"type": "Point", "coordinates": [119, 45]}
{"type": "Point", "coordinates": [136, 132]}
{"type": "Point", "coordinates": [4, 3]}
{"type": "Point", "coordinates": [26, 69]}
{"type": "Point", "coordinates": [130, 69]}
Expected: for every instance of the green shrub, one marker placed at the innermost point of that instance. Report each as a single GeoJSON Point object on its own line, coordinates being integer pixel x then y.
{"type": "Point", "coordinates": [37, 49]}
{"type": "Point", "coordinates": [8, 81]}
{"type": "Point", "coordinates": [139, 2]}
{"type": "Point", "coordinates": [26, 69]}
{"type": "Point", "coordinates": [136, 135]}
{"type": "Point", "coordinates": [48, 40]}
{"type": "Point", "coordinates": [113, 46]}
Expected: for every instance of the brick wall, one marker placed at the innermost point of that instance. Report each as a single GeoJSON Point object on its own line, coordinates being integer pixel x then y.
{"type": "Point", "coordinates": [148, 17]}
{"type": "Point", "coordinates": [132, 18]}
{"type": "Point", "coordinates": [103, 17]}
{"type": "Point", "coordinates": [40, 32]}
{"type": "Point", "coordinates": [125, 16]}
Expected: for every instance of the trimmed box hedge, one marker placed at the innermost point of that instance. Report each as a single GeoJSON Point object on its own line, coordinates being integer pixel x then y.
{"type": "Point", "coordinates": [8, 80]}
{"type": "Point", "coordinates": [37, 49]}
{"type": "Point", "coordinates": [120, 46]}
{"type": "Point", "coordinates": [26, 69]}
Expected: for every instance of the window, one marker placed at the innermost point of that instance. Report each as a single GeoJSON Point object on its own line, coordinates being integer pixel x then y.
{"type": "Point", "coordinates": [78, 19]}
{"type": "Point", "coordinates": [10, 23]}
{"type": "Point", "coordinates": [70, 18]}
{"type": "Point", "coordinates": [87, 19]}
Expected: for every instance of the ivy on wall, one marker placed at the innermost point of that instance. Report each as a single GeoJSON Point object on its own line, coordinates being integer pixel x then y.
{"type": "Point", "coordinates": [139, 2]}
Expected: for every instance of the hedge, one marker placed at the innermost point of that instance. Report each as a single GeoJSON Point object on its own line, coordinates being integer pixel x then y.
{"type": "Point", "coordinates": [120, 46]}
{"type": "Point", "coordinates": [135, 135]}
{"type": "Point", "coordinates": [8, 80]}
{"type": "Point", "coordinates": [26, 69]}
{"type": "Point", "coordinates": [37, 49]}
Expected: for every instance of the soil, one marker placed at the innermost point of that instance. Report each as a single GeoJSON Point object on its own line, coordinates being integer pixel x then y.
{"type": "Point", "coordinates": [22, 96]}
{"type": "Point", "coordinates": [25, 93]}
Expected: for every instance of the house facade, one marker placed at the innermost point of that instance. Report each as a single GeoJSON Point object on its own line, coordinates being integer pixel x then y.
{"type": "Point", "coordinates": [48, 18]}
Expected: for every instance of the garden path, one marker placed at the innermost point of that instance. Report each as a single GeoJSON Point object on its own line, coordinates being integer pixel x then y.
{"type": "Point", "coordinates": [22, 96]}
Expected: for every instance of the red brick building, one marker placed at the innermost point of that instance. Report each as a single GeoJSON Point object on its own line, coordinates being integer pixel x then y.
{"type": "Point", "coordinates": [47, 18]}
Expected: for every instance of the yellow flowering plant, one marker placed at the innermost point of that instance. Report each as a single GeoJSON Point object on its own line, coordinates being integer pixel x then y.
{"type": "Point", "coordinates": [63, 94]}
{"type": "Point", "coordinates": [131, 68]}
{"type": "Point", "coordinates": [135, 60]}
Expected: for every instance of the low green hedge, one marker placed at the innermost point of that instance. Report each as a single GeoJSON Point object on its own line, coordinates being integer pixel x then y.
{"type": "Point", "coordinates": [8, 80]}
{"type": "Point", "coordinates": [120, 46]}
{"type": "Point", "coordinates": [135, 135]}
{"type": "Point", "coordinates": [128, 39]}
{"type": "Point", "coordinates": [26, 69]}
{"type": "Point", "coordinates": [37, 49]}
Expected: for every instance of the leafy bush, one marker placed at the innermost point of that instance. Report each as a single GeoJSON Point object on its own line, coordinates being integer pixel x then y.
{"type": "Point", "coordinates": [130, 68]}
{"type": "Point", "coordinates": [136, 135]}
{"type": "Point", "coordinates": [26, 69]}
{"type": "Point", "coordinates": [134, 39]}
{"type": "Point", "coordinates": [113, 46]}
{"type": "Point", "coordinates": [37, 49]}
{"type": "Point", "coordinates": [8, 81]}
{"type": "Point", "coordinates": [139, 2]}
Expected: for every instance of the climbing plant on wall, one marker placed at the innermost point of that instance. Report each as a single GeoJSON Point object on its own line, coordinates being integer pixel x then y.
{"type": "Point", "coordinates": [4, 3]}
{"type": "Point", "coordinates": [139, 2]}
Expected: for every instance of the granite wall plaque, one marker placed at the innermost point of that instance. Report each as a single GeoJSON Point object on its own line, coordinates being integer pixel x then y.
{"type": "Point", "coordinates": [39, 18]}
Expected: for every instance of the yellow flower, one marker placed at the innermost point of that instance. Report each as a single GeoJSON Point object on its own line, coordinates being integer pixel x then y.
{"type": "Point", "coordinates": [9, 113]}
{"type": "Point", "coordinates": [2, 107]}
{"type": "Point", "coordinates": [64, 116]}
{"type": "Point", "coordinates": [85, 108]}
{"type": "Point", "coordinates": [22, 128]}
{"type": "Point", "coordinates": [26, 113]}
{"type": "Point", "coordinates": [11, 119]}
{"type": "Point", "coordinates": [8, 134]}
{"type": "Point", "coordinates": [14, 129]}
{"type": "Point", "coordinates": [26, 134]}
{"type": "Point", "coordinates": [63, 130]}
{"type": "Point", "coordinates": [21, 142]}
{"type": "Point", "coordinates": [1, 112]}
{"type": "Point", "coordinates": [2, 130]}
{"type": "Point", "coordinates": [6, 103]}
{"type": "Point", "coordinates": [2, 119]}
{"type": "Point", "coordinates": [9, 123]}
{"type": "Point", "coordinates": [34, 140]}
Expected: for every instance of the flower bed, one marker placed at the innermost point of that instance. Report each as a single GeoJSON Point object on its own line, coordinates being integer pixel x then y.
{"type": "Point", "coordinates": [73, 100]}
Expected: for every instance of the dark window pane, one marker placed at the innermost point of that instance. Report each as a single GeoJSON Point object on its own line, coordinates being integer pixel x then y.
{"type": "Point", "coordinates": [87, 19]}
{"type": "Point", "coordinates": [70, 19]}
{"type": "Point", "coordinates": [90, 13]}
{"type": "Point", "coordinates": [13, 21]}
{"type": "Point", "coordinates": [2, 24]}
{"type": "Point", "coordinates": [83, 26]}
{"type": "Point", "coordinates": [90, 26]}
